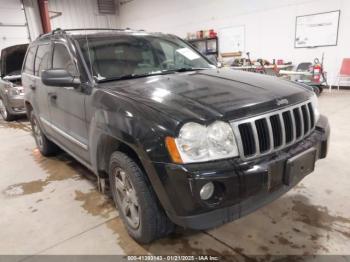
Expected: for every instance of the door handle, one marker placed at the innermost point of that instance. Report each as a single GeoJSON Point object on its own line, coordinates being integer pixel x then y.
{"type": "Point", "coordinates": [32, 87]}
{"type": "Point", "coordinates": [52, 95]}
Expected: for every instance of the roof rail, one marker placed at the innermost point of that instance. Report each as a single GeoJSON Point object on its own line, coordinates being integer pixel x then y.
{"type": "Point", "coordinates": [59, 30]}
{"type": "Point", "coordinates": [95, 29]}
{"type": "Point", "coordinates": [63, 31]}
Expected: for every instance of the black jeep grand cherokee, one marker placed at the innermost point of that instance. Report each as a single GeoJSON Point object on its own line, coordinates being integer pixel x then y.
{"type": "Point", "coordinates": [177, 140]}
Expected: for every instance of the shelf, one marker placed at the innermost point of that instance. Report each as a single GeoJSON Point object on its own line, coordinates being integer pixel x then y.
{"type": "Point", "coordinates": [202, 39]}
{"type": "Point", "coordinates": [206, 46]}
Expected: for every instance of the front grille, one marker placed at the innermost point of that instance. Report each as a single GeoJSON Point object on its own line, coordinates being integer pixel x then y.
{"type": "Point", "coordinates": [273, 131]}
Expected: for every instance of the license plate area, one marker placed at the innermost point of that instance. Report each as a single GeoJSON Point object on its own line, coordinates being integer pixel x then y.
{"type": "Point", "coordinates": [299, 166]}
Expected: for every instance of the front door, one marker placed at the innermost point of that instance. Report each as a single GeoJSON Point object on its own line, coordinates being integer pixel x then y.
{"type": "Point", "coordinates": [67, 107]}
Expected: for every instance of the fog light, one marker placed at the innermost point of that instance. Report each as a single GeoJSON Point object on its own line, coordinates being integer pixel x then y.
{"type": "Point", "coordinates": [207, 191]}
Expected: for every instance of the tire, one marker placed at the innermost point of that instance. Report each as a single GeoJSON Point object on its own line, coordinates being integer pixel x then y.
{"type": "Point", "coordinates": [321, 89]}
{"type": "Point", "coordinates": [6, 115]}
{"type": "Point", "coordinates": [45, 146]}
{"type": "Point", "coordinates": [151, 221]}
{"type": "Point", "coordinates": [316, 90]}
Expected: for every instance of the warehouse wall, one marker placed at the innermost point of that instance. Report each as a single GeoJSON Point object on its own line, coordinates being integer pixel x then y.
{"type": "Point", "coordinates": [31, 10]}
{"type": "Point", "coordinates": [79, 14]}
{"type": "Point", "coordinates": [13, 29]}
{"type": "Point", "coordinates": [269, 24]}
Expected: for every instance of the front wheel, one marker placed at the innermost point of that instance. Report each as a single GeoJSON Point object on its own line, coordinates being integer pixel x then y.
{"type": "Point", "coordinates": [137, 204]}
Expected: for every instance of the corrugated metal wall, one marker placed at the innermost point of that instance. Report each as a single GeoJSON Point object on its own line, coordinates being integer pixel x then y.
{"type": "Point", "coordinates": [13, 29]}
{"type": "Point", "coordinates": [80, 14]}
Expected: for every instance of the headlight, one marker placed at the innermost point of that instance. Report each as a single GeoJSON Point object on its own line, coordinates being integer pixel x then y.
{"type": "Point", "coordinates": [192, 142]}
{"type": "Point", "coordinates": [15, 91]}
{"type": "Point", "coordinates": [198, 143]}
{"type": "Point", "coordinates": [221, 141]}
{"type": "Point", "coordinates": [314, 102]}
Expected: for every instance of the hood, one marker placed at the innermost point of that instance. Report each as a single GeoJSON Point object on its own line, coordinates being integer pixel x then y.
{"type": "Point", "coordinates": [211, 94]}
{"type": "Point", "coordinates": [12, 59]}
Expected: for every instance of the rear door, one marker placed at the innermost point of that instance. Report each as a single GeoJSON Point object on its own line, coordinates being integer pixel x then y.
{"type": "Point", "coordinates": [42, 62]}
{"type": "Point", "coordinates": [28, 78]}
{"type": "Point", "coordinates": [67, 108]}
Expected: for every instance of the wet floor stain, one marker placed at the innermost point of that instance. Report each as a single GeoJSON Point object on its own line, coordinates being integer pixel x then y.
{"type": "Point", "coordinates": [264, 248]}
{"type": "Point", "coordinates": [59, 168]}
{"type": "Point", "coordinates": [178, 243]}
{"type": "Point", "coordinates": [128, 245]}
{"type": "Point", "coordinates": [313, 233]}
{"type": "Point", "coordinates": [95, 203]}
{"type": "Point", "coordinates": [297, 227]}
{"type": "Point", "coordinates": [23, 125]}
{"type": "Point", "coordinates": [297, 208]}
{"type": "Point", "coordinates": [319, 217]}
{"type": "Point", "coordinates": [26, 188]}
{"type": "Point", "coordinates": [285, 242]}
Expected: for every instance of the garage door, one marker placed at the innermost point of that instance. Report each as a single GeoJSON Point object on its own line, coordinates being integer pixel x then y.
{"type": "Point", "coordinates": [13, 29]}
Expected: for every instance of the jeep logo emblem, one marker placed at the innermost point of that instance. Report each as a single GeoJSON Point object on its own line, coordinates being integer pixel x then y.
{"type": "Point", "coordinates": [281, 102]}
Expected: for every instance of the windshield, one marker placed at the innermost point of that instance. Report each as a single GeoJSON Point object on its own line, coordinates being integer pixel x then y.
{"type": "Point", "coordinates": [128, 56]}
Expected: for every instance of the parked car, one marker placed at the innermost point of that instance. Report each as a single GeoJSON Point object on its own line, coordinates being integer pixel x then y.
{"type": "Point", "coordinates": [11, 90]}
{"type": "Point", "coordinates": [175, 139]}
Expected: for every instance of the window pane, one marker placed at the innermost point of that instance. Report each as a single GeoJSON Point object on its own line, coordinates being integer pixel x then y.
{"type": "Point", "coordinates": [29, 64]}
{"type": "Point", "coordinates": [42, 59]}
{"type": "Point", "coordinates": [62, 60]}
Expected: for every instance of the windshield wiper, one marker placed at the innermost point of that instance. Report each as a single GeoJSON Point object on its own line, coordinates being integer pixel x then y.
{"type": "Point", "coordinates": [182, 69]}
{"type": "Point", "coordinates": [123, 77]}
{"type": "Point", "coordinates": [162, 72]}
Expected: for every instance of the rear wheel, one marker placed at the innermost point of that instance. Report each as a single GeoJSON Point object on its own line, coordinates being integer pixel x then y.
{"type": "Point", "coordinates": [6, 115]}
{"type": "Point", "coordinates": [143, 217]}
{"type": "Point", "coordinates": [45, 146]}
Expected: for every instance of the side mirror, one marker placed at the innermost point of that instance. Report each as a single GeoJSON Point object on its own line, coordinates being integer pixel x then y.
{"type": "Point", "coordinates": [59, 77]}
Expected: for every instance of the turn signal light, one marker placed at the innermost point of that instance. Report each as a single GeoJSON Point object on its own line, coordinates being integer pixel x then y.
{"type": "Point", "coordinates": [172, 148]}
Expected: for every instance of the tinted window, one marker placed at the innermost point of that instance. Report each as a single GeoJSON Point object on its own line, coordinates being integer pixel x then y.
{"type": "Point", "coordinates": [62, 60]}
{"type": "Point", "coordinates": [42, 59]}
{"type": "Point", "coordinates": [29, 64]}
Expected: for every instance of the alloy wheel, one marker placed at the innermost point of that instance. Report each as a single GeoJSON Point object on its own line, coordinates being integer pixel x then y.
{"type": "Point", "coordinates": [126, 197]}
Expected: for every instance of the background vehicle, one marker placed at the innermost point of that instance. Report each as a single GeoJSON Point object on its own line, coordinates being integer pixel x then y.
{"type": "Point", "coordinates": [11, 90]}
{"type": "Point", "coordinates": [177, 140]}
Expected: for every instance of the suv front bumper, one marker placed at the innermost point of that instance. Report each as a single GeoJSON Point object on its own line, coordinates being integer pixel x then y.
{"type": "Point", "coordinates": [244, 186]}
{"type": "Point", "coordinates": [15, 105]}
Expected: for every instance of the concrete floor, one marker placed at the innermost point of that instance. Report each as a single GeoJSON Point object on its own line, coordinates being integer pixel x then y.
{"type": "Point", "coordinates": [51, 206]}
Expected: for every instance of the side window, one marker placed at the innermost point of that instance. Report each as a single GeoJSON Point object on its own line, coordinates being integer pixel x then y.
{"type": "Point", "coordinates": [62, 60]}
{"type": "Point", "coordinates": [42, 59]}
{"type": "Point", "coordinates": [29, 64]}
